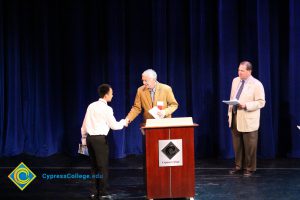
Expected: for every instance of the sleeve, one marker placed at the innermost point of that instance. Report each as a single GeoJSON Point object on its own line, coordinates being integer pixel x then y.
{"type": "Point", "coordinates": [112, 122]}
{"type": "Point", "coordinates": [136, 108]}
{"type": "Point", "coordinates": [172, 103]}
{"type": "Point", "coordinates": [231, 98]}
{"type": "Point", "coordinates": [259, 99]}
{"type": "Point", "coordinates": [84, 128]}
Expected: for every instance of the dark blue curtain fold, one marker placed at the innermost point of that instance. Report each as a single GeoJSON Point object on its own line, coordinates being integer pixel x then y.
{"type": "Point", "coordinates": [228, 28]}
{"type": "Point", "coordinates": [54, 54]}
{"type": "Point", "coordinates": [294, 71]}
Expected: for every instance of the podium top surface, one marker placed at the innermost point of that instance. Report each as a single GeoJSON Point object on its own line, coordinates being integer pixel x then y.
{"type": "Point", "coordinates": [169, 122]}
{"type": "Point", "coordinates": [174, 126]}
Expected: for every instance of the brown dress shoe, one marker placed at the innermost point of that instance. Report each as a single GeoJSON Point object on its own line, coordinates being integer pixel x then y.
{"type": "Point", "coordinates": [248, 173]}
{"type": "Point", "coordinates": [235, 171]}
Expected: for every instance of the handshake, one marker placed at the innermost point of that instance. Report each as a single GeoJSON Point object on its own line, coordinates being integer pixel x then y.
{"type": "Point", "coordinates": [157, 114]}
{"type": "Point", "coordinates": [126, 122]}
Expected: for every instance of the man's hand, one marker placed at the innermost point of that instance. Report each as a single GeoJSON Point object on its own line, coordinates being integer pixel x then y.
{"type": "Point", "coordinates": [161, 113]}
{"type": "Point", "coordinates": [242, 106]}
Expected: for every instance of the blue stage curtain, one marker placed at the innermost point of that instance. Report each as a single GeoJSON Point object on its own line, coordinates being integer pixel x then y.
{"type": "Point", "coordinates": [54, 54]}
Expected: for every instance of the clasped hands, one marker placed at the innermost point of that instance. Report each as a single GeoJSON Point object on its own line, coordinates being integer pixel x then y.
{"type": "Point", "coordinates": [127, 121]}
{"type": "Point", "coordinates": [161, 114]}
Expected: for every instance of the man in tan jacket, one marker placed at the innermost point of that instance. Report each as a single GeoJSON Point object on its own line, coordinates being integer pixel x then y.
{"type": "Point", "coordinates": [149, 94]}
{"type": "Point", "coordinates": [244, 118]}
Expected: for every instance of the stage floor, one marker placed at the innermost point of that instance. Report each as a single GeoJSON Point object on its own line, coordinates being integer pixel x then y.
{"type": "Point", "coordinates": [274, 179]}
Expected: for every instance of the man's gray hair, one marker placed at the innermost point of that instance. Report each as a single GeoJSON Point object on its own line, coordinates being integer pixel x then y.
{"type": "Point", "coordinates": [150, 73]}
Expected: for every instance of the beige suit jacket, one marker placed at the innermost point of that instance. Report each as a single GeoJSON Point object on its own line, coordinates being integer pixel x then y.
{"type": "Point", "coordinates": [143, 101]}
{"type": "Point", "coordinates": [253, 95]}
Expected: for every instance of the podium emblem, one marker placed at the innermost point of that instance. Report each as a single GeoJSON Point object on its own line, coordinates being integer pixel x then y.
{"type": "Point", "coordinates": [170, 150]}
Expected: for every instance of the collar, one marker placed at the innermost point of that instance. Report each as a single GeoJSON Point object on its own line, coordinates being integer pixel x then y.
{"type": "Point", "coordinates": [154, 89]}
{"type": "Point", "coordinates": [103, 101]}
{"type": "Point", "coordinates": [246, 80]}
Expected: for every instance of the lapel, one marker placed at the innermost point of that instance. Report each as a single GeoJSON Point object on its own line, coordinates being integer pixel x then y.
{"type": "Point", "coordinates": [235, 86]}
{"type": "Point", "coordinates": [148, 97]}
{"type": "Point", "coordinates": [248, 85]}
{"type": "Point", "coordinates": [157, 92]}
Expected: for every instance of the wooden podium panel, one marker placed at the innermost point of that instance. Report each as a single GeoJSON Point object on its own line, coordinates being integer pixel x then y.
{"type": "Point", "coordinates": [170, 181]}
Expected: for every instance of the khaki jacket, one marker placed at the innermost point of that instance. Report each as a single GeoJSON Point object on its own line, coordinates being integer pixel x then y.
{"type": "Point", "coordinates": [253, 95]}
{"type": "Point", "coordinates": [143, 101]}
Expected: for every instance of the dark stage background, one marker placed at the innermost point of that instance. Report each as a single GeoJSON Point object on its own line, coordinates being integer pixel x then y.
{"type": "Point", "coordinates": [54, 54]}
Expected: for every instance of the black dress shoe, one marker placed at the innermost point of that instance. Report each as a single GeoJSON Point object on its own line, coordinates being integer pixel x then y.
{"type": "Point", "coordinates": [248, 173]}
{"type": "Point", "coordinates": [94, 196]}
{"type": "Point", "coordinates": [235, 171]}
{"type": "Point", "coordinates": [103, 193]}
{"type": "Point", "coordinates": [104, 196]}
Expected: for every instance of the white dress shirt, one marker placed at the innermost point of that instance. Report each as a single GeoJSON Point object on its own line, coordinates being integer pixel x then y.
{"type": "Point", "coordinates": [240, 84]}
{"type": "Point", "coordinates": [99, 118]}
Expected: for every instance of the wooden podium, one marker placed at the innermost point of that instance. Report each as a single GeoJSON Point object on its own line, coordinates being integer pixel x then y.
{"type": "Point", "coordinates": [170, 165]}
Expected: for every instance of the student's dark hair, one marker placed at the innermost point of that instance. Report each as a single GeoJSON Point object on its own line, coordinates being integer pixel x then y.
{"type": "Point", "coordinates": [247, 64]}
{"type": "Point", "coordinates": [103, 89]}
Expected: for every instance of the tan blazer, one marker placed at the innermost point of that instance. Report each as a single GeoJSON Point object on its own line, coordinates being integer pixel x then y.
{"type": "Point", "coordinates": [253, 95]}
{"type": "Point", "coordinates": [143, 101]}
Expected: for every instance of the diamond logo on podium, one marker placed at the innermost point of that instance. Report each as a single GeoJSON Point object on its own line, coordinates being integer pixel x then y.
{"type": "Point", "coordinates": [170, 150]}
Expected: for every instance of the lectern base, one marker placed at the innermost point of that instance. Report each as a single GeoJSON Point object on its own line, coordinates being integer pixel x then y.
{"type": "Point", "coordinates": [189, 198]}
{"type": "Point", "coordinates": [170, 162]}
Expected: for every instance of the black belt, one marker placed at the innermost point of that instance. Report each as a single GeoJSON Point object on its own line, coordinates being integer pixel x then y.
{"type": "Point", "coordinates": [96, 135]}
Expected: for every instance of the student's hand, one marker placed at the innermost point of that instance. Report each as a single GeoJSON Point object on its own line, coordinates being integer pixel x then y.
{"type": "Point", "coordinates": [126, 122]}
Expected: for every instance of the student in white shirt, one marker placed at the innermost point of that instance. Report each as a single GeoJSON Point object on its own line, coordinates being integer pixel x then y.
{"type": "Point", "coordinates": [98, 120]}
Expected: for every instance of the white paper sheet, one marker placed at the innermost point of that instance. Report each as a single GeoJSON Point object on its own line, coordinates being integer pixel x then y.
{"type": "Point", "coordinates": [231, 102]}
{"type": "Point", "coordinates": [153, 111]}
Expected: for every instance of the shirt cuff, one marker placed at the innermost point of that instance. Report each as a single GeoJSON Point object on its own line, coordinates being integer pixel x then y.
{"type": "Point", "coordinates": [123, 122]}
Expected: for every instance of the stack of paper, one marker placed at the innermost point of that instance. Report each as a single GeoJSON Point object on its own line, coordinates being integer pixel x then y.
{"type": "Point", "coordinates": [82, 149]}
{"type": "Point", "coordinates": [231, 102]}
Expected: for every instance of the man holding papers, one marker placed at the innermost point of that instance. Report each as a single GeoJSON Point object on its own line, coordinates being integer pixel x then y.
{"type": "Point", "coordinates": [151, 94]}
{"type": "Point", "coordinates": [244, 118]}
